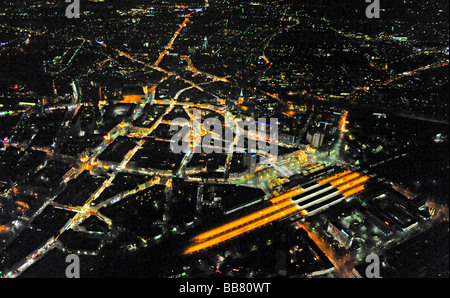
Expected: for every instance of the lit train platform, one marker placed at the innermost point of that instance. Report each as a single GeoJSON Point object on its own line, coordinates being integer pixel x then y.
{"type": "Point", "coordinates": [308, 198]}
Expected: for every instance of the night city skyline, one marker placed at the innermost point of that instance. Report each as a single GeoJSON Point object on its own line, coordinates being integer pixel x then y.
{"type": "Point", "coordinates": [224, 139]}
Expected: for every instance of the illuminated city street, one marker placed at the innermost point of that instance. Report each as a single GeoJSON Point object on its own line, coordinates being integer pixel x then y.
{"type": "Point", "coordinates": [223, 139]}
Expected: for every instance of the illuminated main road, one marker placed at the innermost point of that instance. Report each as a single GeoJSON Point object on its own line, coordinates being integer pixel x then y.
{"type": "Point", "coordinates": [343, 266]}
